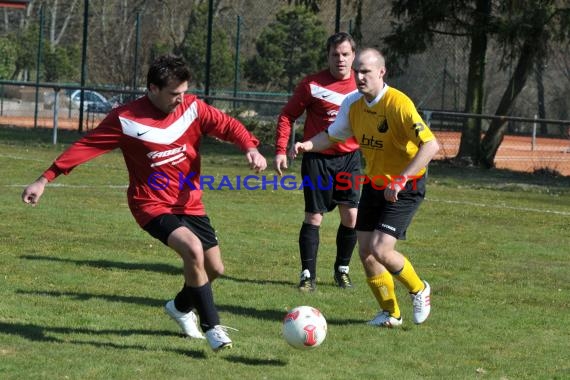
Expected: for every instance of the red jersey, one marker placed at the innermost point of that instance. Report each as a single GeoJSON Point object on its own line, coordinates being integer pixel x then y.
{"type": "Point", "coordinates": [320, 95]}
{"type": "Point", "coordinates": [161, 152]}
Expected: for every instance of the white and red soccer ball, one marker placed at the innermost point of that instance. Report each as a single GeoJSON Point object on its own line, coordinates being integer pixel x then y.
{"type": "Point", "coordinates": [304, 327]}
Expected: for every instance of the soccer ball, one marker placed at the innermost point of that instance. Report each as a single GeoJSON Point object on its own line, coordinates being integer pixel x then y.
{"type": "Point", "coordinates": [304, 327]}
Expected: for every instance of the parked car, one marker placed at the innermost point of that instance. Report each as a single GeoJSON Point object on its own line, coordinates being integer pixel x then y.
{"type": "Point", "coordinates": [123, 98]}
{"type": "Point", "coordinates": [92, 101]}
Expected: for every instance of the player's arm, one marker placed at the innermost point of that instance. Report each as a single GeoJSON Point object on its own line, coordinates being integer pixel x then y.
{"type": "Point", "coordinates": [428, 147]}
{"type": "Point", "coordinates": [317, 143]}
{"type": "Point", "coordinates": [294, 108]}
{"type": "Point", "coordinates": [100, 140]}
{"type": "Point", "coordinates": [338, 131]}
{"type": "Point", "coordinates": [216, 123]}
{"type": "Point", "coordinates": [422, 158]}
{"type": "Point", "coordinates": [256, 160]}
{"type": "Point", "coordinates": [422, 136]}
{"type": "Point", "coordinates": [33, 192]}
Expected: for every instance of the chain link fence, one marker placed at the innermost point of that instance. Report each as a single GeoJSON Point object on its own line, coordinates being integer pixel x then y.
{"type": "Point", "coordinates": [120, 38]}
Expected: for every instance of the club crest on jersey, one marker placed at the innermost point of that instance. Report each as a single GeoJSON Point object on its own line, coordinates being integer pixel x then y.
{"type": "Point", "coordinates": [383, 127]}
{"type": "Point", "coordinates": [418, 128]}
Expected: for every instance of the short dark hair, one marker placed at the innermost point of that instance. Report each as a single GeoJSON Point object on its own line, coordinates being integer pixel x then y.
{"type": "Point", "coordinates": [339, 38]}
{"type": "Point", "coordinates": [165, 68]}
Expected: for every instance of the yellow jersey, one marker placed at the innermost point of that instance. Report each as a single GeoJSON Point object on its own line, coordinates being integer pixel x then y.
{"type": "Point", "coordinates": [389, 131]}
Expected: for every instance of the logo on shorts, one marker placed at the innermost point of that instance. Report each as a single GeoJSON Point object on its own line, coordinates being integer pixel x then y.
{"type": "Point", "coordinates": [388, 227]}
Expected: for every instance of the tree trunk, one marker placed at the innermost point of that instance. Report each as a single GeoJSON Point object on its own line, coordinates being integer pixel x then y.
{"type": "Point", "coordinates": [469, 147]}
{"type": "Point", "coordinates": [494, 136]}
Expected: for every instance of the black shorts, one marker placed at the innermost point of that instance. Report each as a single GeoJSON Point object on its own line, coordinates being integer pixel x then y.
{"type": "Point", "coordinates": [392, 218]}
{"type": "Point", "coordinates": [162, 226]}
{"type": "Point", "coordinates": [318, 170]}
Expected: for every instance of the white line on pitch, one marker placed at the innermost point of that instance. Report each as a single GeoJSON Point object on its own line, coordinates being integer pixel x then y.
{"type": "Point", "coordinates": [565, 213]}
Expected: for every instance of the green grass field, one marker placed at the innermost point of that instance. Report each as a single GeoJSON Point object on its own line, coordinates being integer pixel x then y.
{"type": "Point", "coordinates": [82, 286]}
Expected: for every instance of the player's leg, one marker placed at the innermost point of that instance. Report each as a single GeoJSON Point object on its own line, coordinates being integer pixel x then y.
{"type": "Point", "coordinates": [378, 277]}
{"type": "Point", "coordinates": [199, 261]}
{"type": "Point", "coordinates": [345, 244]}
{"type": "Point", "coordinates": [396, 217]}
{"type": "Point", "coordinates": [192, 237]}
{"type": "Point", "coordinates": [180, 308]}
{"type": "Point", "coordinates": [383, 249]}
{"type": "Point", "coordinates": [380, 281]}
{"type": "Point", "coordinates": [315, 205]}
{"type": "Point", "coordinates": [348, 166]}
{"type": "Point", "coordinates": [308, 248]}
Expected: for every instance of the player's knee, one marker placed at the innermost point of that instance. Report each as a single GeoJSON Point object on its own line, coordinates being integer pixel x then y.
{"type": "Point", "coordinates": [381, 255]}
{"type": "Point", "coordinates": [314, 219]}
{"type": "Point", "coordinates": [216, 271]}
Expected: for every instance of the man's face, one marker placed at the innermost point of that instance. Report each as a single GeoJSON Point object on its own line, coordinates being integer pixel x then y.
{"type": "Point", "coordinates": [340, 60]}
{"type": "Point", "coordinates": [169, 97]}
{"type": "Point", "coordinates": [370, 72]}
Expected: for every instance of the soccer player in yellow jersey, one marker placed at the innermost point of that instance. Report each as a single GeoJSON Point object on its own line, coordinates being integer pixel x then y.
{"type": "Point", "coordinates": [397, 146]}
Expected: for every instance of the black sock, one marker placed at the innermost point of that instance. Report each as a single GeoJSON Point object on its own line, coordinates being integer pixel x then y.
{"type": "Point", "coordinates": [183, 300]}
{"type": "Point", "coordinates": [202, 299]}
{"type": "Point", "coordinates": [308, 247]}
{"type": "Point", "coordinates": [345, 243]}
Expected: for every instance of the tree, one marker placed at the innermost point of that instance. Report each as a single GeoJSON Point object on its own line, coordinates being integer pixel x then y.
{"type": "Point", "coordinates": [8, 50]}
{"type": "Point", "coordinates": [522, 29]}
{"type": "Point", "coordinates": [524, 34]}
{"type": "Point", "coordinates": [288, 49]}
{"type": "Point", "coordinates": [418, 24]}
{"type": "Point", "coordinates": [193, 49]}
{"type": "Point", "coordinates": [60, 63]}
{"type": "Point", "coordinates": [27, 47]}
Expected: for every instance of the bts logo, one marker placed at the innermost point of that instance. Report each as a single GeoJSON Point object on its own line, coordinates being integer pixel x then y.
{"type": "Point", "coordinates": [371, 142]}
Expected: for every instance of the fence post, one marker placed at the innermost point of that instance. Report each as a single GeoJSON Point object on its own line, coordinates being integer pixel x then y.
{"type": "Point", "coordinates": [427, 117]}
{"type": "Point", "coordinates": [209, 51]}
{"type": "Point", "coordinates": [39, 64]}
{"type": "Point", "coordinates": [136, 58]}
{"type": "Point", "coordinates": [83, 61]}
{"type": "Point", "coordinates": [337, 17]}
{"type": "Point", "coordinates": [236, 63]}
{"type": "Point", "coordinates": [55, 113]}
{"type": "Point", "coordinates": [533, 141]}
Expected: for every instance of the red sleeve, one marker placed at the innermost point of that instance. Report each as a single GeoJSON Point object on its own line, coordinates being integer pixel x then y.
{"type": "Point", "coordinates": [294, 108]}
{"type": "Point", "coordinates": [216, 123]}
{"type": "Point", "coordinates": [100, 140]}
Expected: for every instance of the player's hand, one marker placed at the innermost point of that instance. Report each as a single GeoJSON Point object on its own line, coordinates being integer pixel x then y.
{"type": "Point", "coordinates": [300, 147]}
{"type": "Point", "coordinates": [256, 160]}
{"type": "Point", "coordinates": [280, 163]}
{"type": "Point", "coordinates": [397, 184]}
{"type": "Point", "coordinates": [34, 191]}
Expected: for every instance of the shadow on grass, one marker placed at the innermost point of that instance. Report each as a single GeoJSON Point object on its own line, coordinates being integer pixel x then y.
{"type": "Point", "coordinates": [158, 268]}
{"type": "Point", "coordinates": [36, 333]}
{"type": "Point", "coordinates": [257, 281]}
{"type": "Point", "coordinates": [268, 314]}
{"type": "Point", "coordinates": [146, 301]}
{"type": "Point", "coordinates": [277, 315]}
{"type": "Point", "coordinates": [107, 264]}
{"type": "Point", "coordinates": [255, 361]}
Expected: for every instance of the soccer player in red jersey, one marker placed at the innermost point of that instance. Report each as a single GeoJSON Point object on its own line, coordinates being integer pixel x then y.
{"type": "Point", "coordinates": [319, 96]}
{"type": "Point", "coordinates": [159, 135]}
